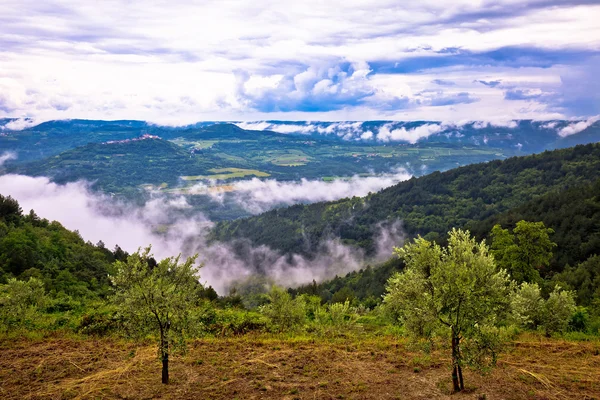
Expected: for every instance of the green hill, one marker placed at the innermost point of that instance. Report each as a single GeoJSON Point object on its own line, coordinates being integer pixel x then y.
{"type": "Point", "coordinates": [113, 166]}
{"type": "Point", "coordinates": [34, 247]}
{"type": "Point", "coordinates": [430, 205]}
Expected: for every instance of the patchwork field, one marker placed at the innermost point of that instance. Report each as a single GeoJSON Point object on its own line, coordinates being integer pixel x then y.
{"type": "Point", "coordinates": [267, 367]}
{"type": "Point", "coordinates": [227, 173]}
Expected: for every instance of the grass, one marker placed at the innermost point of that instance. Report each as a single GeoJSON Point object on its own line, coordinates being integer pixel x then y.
{"type": "Point", "coordinates": [227, 173]}
{"type": "Point", "coordinates": [287, 367]}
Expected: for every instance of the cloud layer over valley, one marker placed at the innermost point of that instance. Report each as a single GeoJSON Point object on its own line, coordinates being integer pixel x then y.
{"type": "Point", "coordinates": [256, 195]}
{"type": "Point", "coordinates": [168, 224]}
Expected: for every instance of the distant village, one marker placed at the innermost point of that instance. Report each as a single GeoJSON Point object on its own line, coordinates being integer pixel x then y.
{"type": "Point", "coordinates": [145, 136]}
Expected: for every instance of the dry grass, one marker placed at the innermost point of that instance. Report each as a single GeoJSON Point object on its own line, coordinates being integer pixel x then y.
{"type": "Point", "coordinates": [262, 367]}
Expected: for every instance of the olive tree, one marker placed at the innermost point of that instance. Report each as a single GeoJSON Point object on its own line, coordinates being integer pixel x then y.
{"type": "Point", "coordinates": [157, 297]}
{"type": "Point", "coordinates": [20, 302]}
{"type": "Point", "coordinates": [456, 290]}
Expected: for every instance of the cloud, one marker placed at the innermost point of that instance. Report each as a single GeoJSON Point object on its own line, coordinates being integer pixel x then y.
{"type": "Point", "coordinates": [323, 88]}
{"type": "Point", "coordinates": [386, 133]}
{"type": "Point", "coordinates": [165, 223]}
{"type": "Point", "coordinates": [18, 124]}
{"type": "Point", "coordinates": [522, 94]}
{"type": "Point", "coordinates": [577, 127]}
{"type": "Point", "coordinates": [489, 83]}
{"type": "Point", "coordinates": [316, 60]}
{"type": "Point", "coordinates": [277, 127]}
{"type": "Point", "coordinates": [6, 156]}
{"type": "Point", "coordinates": [443, 82]}
{"type": "Point", "coordinates": [256, 195]}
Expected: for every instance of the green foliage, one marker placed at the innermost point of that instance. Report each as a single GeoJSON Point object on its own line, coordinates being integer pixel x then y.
{"type": "Point", "coordinates": [558, 310]}
{"type": "Point", "coordinates": [431, 204]}
{"type": "Point", "coordinates": [283, 311]}
{"type": "Point", "coordinates": [530, 310]}
{"type": "Point", "coordinates": [157, 297]}
{"type": "Point", "coordinates": [527, 306]}
{"type": "Point", "coordinates": [523, 252]}
{"type": "Point", "coordinates": [457, 288]}
{"type": "Point", "coordinates": [20, 303]}
{"type": "Point", "coordinates": [584, 279]}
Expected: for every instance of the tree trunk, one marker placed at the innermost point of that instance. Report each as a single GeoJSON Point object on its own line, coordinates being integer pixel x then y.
{"type": "Point", "coordinates": [460, 378]}
{"type": "Point", "coordinates": [457, 382]}
{"type": "Point", "coordinates": [164, 356]}
{"type": "Point", "coordinates": [165, 368]}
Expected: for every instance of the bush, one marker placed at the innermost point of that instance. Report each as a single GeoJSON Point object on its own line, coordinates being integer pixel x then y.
{"type": "Point", "coordinates": [284, 312]}
{"type": "Point", "coordinates": [527, 306]}
{"type": "Point", "coordinates": [558, 310]}
{"type": "Point", "coordinates": [101, 321]}
{"type": "Point", "coordinates": [20, 302]}
{"type": "Point", "coordinates": [233, 321]}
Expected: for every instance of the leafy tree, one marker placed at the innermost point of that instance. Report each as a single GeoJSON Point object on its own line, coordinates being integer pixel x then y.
{"type": "Point", "coordinates": [523, 252]}
{"type": "Point", "coordinates": [10, 210]}
{"type": "Point", "coordinates": [558, 310]}
{"type": "Point", "coordinates": [20, 302]}
{"type": "Point", "coordinates": [527, 306]}
{"type": "Point", "coordinates": [457, 290]}
{"type": "Point", "coordinates": [530, 310]}
{"type": "Point", "coordinates": [157, 296]}
{"type": "Point", "coordinates": [284, 311]}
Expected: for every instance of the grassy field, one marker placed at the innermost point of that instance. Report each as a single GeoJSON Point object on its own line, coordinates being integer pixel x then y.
{"type": "Point", "coordinates": [227, 173]}
{"type": "Point", "coordinates": [271, 367]}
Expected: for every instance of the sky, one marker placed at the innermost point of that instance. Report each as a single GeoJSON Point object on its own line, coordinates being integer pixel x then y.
{"type": "Point", "coordinates": [177, 62]}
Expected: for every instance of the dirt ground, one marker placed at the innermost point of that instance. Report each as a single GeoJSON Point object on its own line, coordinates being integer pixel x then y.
{"type": "Point", "coordinates": [259, 367]}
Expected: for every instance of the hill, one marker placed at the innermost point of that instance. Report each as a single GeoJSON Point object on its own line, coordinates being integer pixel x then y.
{"type": "Point", "coordinates": [35, 247]}
{"type": "Point", "coordinates": [117, 165]}
{"type": "Point", "coordinates": [430, 205]}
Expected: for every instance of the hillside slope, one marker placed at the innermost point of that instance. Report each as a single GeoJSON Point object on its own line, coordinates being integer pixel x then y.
{"type": "Point", "coordinates": [430, 205]}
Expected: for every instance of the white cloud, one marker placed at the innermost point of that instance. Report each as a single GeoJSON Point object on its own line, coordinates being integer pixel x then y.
{"type": "Point", "coordinates": [74, 59]}
{"type": "Point", "coordinates": [8, 155]}
{"type": "Point", "coordinates": [256, 195]}
{"type": "Point", "coordinates": [407, 135]}
{"type": "Point", "coordinates": [577, 127]}
{"type": "Point", "coordinates": [18, 124]}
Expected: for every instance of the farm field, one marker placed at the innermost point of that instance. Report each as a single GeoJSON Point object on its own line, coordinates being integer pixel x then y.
{"type": "Point", "coordinates": [286, 367]}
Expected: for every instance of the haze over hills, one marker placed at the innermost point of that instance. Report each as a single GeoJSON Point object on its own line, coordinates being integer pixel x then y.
{"type": "Point", "coordinates": [227, 172]}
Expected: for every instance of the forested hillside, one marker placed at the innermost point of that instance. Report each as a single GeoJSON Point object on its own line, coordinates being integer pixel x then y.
{"type": "Point", "coordinates": [430, 205]}
{"type": "Point", "coordinates": [33, 247]}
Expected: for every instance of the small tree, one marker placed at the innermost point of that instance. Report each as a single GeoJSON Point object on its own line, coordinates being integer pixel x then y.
{"type": "Point", "coordinates": [527, 306]}
{"type": "Point", "coordinates": [457, 288]}
{"type": "Point", "coordinates": [558, 310]}
{"type": "Point", "coordinates": [20, 302]}
{"type": "Point", "coordinates": [283, 311]}
{"type": "Point", "coordinates": [157, 296]}
{"type": "Point", "coordinates": [531, 311]}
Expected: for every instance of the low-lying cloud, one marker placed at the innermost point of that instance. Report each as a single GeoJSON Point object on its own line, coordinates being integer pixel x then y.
{"type": "Point", "coordinates": [6, 156]}
{"type": "Point", "coordinates": [577, 127]}
{"type": "Point", "coordinates": [256, 195]}
{"type": "Point", "coordinates": [166, 223]}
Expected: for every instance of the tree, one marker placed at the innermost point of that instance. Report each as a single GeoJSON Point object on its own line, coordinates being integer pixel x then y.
{"type": "Point", "coordinates": [20, 302]}
{"type": "Point", "coordinates": [558, 310]}
{"type": "Point", "coordinates": [283, 311]}
{"type": "Point", "coordinates": [157, 296]}
{"type": "Point", "coordinates": [524, 251]}
{"type": "Point", "coordinates": [456, 290]}
{"type": "Point", "coordinates": [527, 306]}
